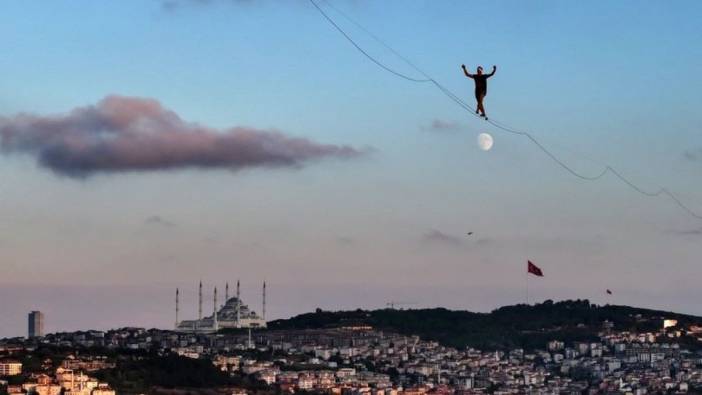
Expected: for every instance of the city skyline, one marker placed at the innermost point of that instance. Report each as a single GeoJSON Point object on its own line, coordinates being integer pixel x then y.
{"type": "Point", "coordinates": [145, 146]}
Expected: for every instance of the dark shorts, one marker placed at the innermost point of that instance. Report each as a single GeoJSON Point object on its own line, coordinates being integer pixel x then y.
{"type": "Point", "coordinates": [479, 95]}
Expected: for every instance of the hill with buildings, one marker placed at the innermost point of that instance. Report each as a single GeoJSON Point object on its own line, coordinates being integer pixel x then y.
{"type": "Point", "coordinates": [526, 326]}
{"type": "Point", "coordinates": [555, 347]}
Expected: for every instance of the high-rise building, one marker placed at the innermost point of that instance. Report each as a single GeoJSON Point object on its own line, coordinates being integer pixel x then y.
{"type": "Point", "coordinates": [36, 324]}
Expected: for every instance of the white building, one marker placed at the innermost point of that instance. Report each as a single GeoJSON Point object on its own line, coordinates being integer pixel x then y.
{"type": "Point", "coordinates": [103, 389]}
{"type": "Point", "coordinates": [10, 368]}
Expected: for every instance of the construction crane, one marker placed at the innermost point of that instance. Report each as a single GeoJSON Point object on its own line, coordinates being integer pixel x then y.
{"type": "Point", "coordinates": [391, 304]}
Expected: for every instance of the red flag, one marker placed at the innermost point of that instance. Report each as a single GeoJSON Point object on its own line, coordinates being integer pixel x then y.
{"type": "Point", "coordinates": [533, 269]}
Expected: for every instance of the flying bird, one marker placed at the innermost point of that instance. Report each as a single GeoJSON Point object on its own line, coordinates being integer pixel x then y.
{"type": "Point", "coordinates": [469, 233]}
{"type": "Point", "coordinates": [609, 292]}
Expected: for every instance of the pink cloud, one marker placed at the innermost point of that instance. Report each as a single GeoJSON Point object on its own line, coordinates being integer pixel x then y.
{"type": "Point", "coordinates": [120, 134]}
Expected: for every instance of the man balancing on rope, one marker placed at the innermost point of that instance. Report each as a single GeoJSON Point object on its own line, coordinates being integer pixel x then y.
{"type": "Point", "coordinates": [480, 86]}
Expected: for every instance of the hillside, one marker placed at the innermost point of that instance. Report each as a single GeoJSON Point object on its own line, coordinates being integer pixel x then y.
{"type": "Point", "coordinates": [527, 326]}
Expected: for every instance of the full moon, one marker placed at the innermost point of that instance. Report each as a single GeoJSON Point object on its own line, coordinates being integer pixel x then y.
{"type": "Point", "coordinates": [485, 141]}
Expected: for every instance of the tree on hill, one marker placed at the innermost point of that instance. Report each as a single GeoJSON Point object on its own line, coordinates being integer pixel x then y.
{"type": "Point", "coordinates": [525, 326]}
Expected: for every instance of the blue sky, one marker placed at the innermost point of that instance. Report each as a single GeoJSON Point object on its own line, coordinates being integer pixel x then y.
{"type": "Point", "coordinates": [615, 82]}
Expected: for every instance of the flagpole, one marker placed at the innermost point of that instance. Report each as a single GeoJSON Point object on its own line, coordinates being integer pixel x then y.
{"type": "Point", "coordinates": [527, 286]}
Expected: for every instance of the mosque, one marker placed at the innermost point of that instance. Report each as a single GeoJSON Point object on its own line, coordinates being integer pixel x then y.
{"type": "Point", "coordinates": [232, 314]}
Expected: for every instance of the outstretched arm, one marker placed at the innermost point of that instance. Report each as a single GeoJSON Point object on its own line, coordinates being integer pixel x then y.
{"type": "Point", "coordinates": [465, 71]}
{"type": "Point", "coordinates": [494, 68]}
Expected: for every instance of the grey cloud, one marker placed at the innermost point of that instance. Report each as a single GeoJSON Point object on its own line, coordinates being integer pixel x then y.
{"type": "Point", "coordinates": [159, 221]}
{"type": "Point", "coordinates": [688, 232]}
{"type": "Point", "coordinates": [693, 154]}
{"type": "Point", "coordinates": [438, 125]}
{"type": "Point", "coordinates": [121, 134]}
{"type": "Point", "coordinates": [345, 240]}
{"type": "Point", "coordinates": [437, 236]}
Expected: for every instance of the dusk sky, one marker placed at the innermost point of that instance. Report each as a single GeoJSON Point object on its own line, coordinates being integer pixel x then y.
{"type": "Point", "coordinates": [147, 145]}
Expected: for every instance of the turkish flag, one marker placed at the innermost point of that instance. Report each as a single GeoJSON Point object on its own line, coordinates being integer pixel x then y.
{"type": "Point", "coordinates": [533, 269]}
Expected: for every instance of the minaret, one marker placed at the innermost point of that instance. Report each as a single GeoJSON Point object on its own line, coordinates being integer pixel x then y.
{"type": "Point", "coordinates": [238, 305]}
{"type": "Point", "coordinates": [263, 312]}
{"type": "Point", "coordinates": [226, 293]}
{"type": "Point", "coordinates": [177, 307]}
{"type": "Point", "coordinates": [214, 311]}
{"type": "Point", "coordinates": [199, 302]}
